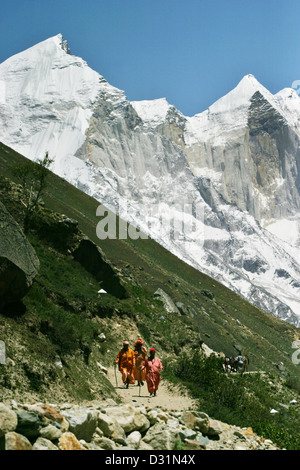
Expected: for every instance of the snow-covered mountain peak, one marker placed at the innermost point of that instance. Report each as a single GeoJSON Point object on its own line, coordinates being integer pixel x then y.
{"type": "Point", "coordinates": [289, 102]}
{"type": "Point", "coordinates": [153, 112]}
{"type": "Point", "coordinates": [50, 47]}
{"type": "Point", "coordinates": [234, 165]}
{"type": "Point", "coordinates": [231, 112]}
{"type": "Point", "coordinates": [240, 96]}
{"type": "Point", "coordinates": [48, 97]}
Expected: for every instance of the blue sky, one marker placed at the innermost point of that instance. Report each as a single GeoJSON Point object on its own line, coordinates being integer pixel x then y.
{"type": "Point", "coordinates": [191, 52]}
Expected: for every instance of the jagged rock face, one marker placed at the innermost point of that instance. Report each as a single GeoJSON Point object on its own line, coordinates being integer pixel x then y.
{"type": "Point", "coordinates": [255, 166]}
{"type": "Point", "coordinates": [236, 166]}
{"type": "Point", "coordinates": [18, 262]}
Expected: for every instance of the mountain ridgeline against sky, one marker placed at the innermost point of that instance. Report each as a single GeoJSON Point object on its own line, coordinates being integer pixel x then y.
{"type": "Point", "coordinates": [233, 170]}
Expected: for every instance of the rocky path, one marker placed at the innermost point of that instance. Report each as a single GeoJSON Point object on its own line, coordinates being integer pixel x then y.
{"type": "Point", "coordinates": [169, 397]}
{"type": "Point", "coordinates": [169, 421]}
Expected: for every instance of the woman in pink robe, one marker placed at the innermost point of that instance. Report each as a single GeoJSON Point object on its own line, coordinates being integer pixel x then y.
{"type": "Point", "coordinates": [153, 367]}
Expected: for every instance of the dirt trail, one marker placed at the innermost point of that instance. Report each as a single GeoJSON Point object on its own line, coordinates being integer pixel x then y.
{"type": "Point", "coordinates": [168, 396]}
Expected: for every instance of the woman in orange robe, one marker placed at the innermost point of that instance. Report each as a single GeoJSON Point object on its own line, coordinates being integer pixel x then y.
{"type": "Point", "coordinates": [140, 353]}
{"type": "Point", "coordinates": [126, 361]}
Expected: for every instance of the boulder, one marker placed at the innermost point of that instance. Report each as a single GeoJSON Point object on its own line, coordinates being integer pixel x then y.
{"type": "Point", "coordinates": [129, 418]}
{"type": "Point", "coordinates": [187, 434]}
{"type": "Point", "coordinates": [105, 443]}
{"type": "Point", "coordinates": [161, 437]}
{"type": "Point", "coordinates": [18, 261]}
{"type": "Point", "coordinates": [192, 444]}
{"type": "Point", "coordinates": [8, 420]}
{"type": "Point", "coordinates": [168, 303]}
{"type": "Point", "coordinates": [215, 428]}
{"type": "Point", "coordinates": [82, 422]}
{"type": "Point", "coordinates": [185, 310]}
{"type": "Point", "coordinates": [15, 441]}
{"type": "Point", "coordinates": [43, 444]}
{"type": "Point", "coordinates": [48, 414]}
{"type": "Point", "coordinates": [92, 258]}
{"type": "Point", "coordinates": [68, 441]}
{"type": "Point", "coordinates": [29, 423]}
{"type": "Point", "coordinates": [111, 428]}
{"type": "Point", "coordinates": [133, 439]}
{"type": "Point", "coordinates": [50, 432]}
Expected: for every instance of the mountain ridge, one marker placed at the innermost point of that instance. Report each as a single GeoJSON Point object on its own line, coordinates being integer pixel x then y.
{"type": "Point", "coordinates": [101, 145]}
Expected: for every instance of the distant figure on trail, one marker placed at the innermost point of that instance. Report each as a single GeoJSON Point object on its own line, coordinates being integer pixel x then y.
{"type": "Point", "coordinates": [239, 362]}
{"type": "Point", "coordinates": [236, 364]}
{"type": "Point", "coordinates": [126, 361]}
{"type": "Point", "coordinates": [153, 367]}
{"type": "Point", "coordinates": [140, 353]}
{"type": "Point", "coordinates": [246, 363]}
{"type": "Point", "coordinates": [230, 364]}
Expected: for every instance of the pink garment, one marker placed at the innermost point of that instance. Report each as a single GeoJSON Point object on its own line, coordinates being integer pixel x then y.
{"type": "Point", "coordinates": [153, 377]}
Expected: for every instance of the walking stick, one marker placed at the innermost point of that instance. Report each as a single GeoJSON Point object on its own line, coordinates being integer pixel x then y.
{"type": "Point", "coordinates": [116, 374]}
{"type": "Point", "coordinates": [140, 382]}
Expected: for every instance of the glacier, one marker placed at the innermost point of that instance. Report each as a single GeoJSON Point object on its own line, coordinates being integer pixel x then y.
{"type": "Point", "coordinates": [231, 174]}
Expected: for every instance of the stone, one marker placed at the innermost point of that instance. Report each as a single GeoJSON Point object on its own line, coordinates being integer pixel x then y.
{"type": "Point", "coordinates": [185, 310]}
{"type": "Point", "coordinates": [188, 419]}
{"type": "Point", "coordinates": [102, 337]}
{"type": "Point", "coordinates": [160, 437]}
{"type": "Point", "coordinates": [15, 441]}
{"type": "Point", "coordinates": [133, 439]}
{"type": "Point", "coordinates": [19, 264]}
{"type": "Point", "coordinates": [105, 443]}
{"type": "Point", "coordinates": [44, 444]}
{"type": "Point", "coordinates": [152, 415]}
{"type": "Point", "coordinates": [203, 440]}
{"type": "Point", "coordinates": [187, 434]}
{"type": "Point", "coordinates": [144, 446]}
{"type": "Point", "coordinates": [128, 417]}
{"type": "Point", "coordinates": [215, 428]}
{"type": "Point", "coordinates": [111, 428]}
{"type": "Point", "coordinates": [50, 415]}
{"type": "Point", "coordinates": [168, 303]}
{"type": "Point", "coordinates": [202, 424]}
{"type": "Point", "coordinates": [82, 422]}
{"type": "Point", "coordinates": [240, 435]}
{"type": "Point", "coordinates": [191, 444]}
{"type": "Point", "coordinates": [50, 432]}
{"type": "Point", "coordinates": [8, 420]}
{"type": "Point", "coordinates": [68, 441]}
{"type": "Point", "coordinates": [29, 423]}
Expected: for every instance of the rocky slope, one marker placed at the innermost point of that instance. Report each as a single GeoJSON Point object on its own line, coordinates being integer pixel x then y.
{"type": "Point", "coordinates": [108, 426]}
{"type": "Point", "coordinates": [203, 187]}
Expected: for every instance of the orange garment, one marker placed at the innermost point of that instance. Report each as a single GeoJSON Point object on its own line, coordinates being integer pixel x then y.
{"type": "Point", "coordinates": [139, 373]}
{"type": "Point", "coordinates": [126, 361]}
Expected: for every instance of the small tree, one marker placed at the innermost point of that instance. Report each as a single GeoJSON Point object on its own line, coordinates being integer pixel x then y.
{"type": "Point", "coordinates": [32, 177]}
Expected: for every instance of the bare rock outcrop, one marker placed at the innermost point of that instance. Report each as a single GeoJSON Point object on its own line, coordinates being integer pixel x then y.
{"type": "Point", "coordinates": [18, 261]}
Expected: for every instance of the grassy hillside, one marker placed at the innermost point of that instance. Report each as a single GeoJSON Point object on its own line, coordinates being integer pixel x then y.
{"type": "Point", "coordinates": [55, 349]}
{"type": "Point", "coordinates": [225, 321]}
